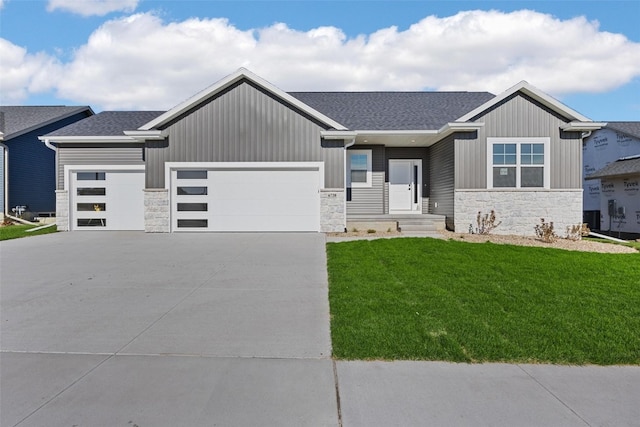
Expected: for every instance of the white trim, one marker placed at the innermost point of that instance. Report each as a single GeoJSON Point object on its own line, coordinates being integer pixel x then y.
{"type": "Point", "coordinates": [68, 169]}
{"type": "Point", "coordinates": [227, 81]}
{"type": "Point", "coordinates": [143, 135]}
{"type": "Point", "coordinates": [546, 141]}
{"type": "Point", "coordinates": [107, 139]}
{"type": "Point", "coordinates": [369, 183]}
{"type": "Point", "coordinates": [533, 92]}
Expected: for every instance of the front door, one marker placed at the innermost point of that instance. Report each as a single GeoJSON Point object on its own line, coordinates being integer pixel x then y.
{"type": "Point", "coordinates": [405, 182]}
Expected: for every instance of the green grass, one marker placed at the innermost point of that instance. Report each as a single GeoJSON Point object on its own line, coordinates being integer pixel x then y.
{"type": "Point", "coordinates": [18, 231]}
{"type": "Point", "coordinates": [429, 299]}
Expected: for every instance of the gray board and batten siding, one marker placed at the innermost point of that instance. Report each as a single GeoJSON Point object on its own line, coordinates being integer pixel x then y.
{"type": "Point", "coordinates": [105, 154]}
{"type": "Point", "coordinates": [244, 124]}
{"type": "Point", "coordinates": [520, 116]}
{"type": "Point", "coordinates": [441, 171]}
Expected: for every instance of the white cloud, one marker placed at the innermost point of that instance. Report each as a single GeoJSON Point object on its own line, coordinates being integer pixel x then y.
{"type": "Point", "coordinates": [142, 62]}
{"type": "Point", "coordinates": [93, 7]}
{"type": "Point", "coordinates": [24, 73]}
{"type": "Point", "coordinates": [1, 4]}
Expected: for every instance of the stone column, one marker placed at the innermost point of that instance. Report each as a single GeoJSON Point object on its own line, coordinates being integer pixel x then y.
{"type": "Point", "coordinates": [62, 210]}
{"type": "Point", "coordinates": [332, 210]}
{"type": "Point", "coordinates": [156, 210]}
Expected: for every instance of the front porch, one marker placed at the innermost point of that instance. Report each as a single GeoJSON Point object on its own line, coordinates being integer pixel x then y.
{"type": "Point", "coordinates": [412, 223]}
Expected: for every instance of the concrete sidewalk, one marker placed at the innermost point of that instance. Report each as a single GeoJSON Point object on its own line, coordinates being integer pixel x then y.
{"type": "Point", "coordinates": [125, 329]}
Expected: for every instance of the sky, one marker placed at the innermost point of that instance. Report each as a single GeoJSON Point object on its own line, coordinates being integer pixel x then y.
{"type": "Point", "coordinates": [152, 55]}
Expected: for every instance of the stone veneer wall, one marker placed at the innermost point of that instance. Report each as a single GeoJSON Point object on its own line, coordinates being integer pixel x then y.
{"type": "Point", "coordinates": [156, 210]}
{"type": "Point", "coordinates": [332, 210]}
{"type": "Point", "coordinates": [520, 211]}
{"type": "Point", "coordinates": [62, 210]}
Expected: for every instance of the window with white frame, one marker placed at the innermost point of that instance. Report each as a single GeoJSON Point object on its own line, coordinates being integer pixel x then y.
{"type": "Point", "coordinates": [518, 163]}
{"type": "Point", "coordinates": [359, 167]}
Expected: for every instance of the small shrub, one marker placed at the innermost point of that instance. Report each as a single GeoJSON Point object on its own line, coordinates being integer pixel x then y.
{"type": "Point", "coordinates": [355, 230]}
{"type": "Point", "coordinates": [371, 231]}
{"type": "Point", "coordinates": [577, 232]}
{"type": "Point", "coordinates": [486, 223]}
{"type": "Point", "coordinates": [545, 231]}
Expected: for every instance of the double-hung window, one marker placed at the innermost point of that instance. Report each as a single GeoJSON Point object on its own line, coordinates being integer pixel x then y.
{"type": "Point", "coordinates": [359, 168]}
{"type": "Point", "coordinates": [518, 163]}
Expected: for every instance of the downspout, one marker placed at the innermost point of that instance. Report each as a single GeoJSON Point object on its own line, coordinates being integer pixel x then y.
{"type": "Point", "coordinates": [49, 145]}
{"type": "Point", "coordinates": [346, 146]}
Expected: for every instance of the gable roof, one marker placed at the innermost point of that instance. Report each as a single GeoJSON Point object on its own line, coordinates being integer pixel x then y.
{"type": "Point", "coordinates": [238, 76]}
{"type": "Point", "coordinates": [393, 110]}
{"type": "Point", "coordinates": [18, 120]}
{"type": "Point", "coordinates": [533, 92]}
{"type": "Point", "coordinates": [622, 167]}
{"type": "Point", "coordinates": [629, 128]}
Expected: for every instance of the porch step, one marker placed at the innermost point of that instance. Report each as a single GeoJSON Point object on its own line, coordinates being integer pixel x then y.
{"type": "Point", "coordinates": [415, 224]}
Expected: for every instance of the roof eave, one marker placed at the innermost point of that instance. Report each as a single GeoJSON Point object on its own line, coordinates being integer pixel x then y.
{"type": "Point", "coordinates": [583, 126]}
{"type": "Point", "coordinates": [146, 135]}
{"type": "Point", "coordinates": [227, 81]}
{"type": "Point", "coordinates": [78, 110]}
{"type": "Point", "coordinates": [116, 139]}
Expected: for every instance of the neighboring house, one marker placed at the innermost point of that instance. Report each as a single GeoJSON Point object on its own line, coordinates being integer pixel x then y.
{"type": "Point", "coordinates": [612, 178]}
{"type": "Point", "coordinates": [243, 155]}
{"type": "Point", "coordinates": [28, 167]}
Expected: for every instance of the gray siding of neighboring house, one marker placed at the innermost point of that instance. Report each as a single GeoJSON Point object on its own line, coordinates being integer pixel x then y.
{"type": "Point", "coordinates": [244, 124]}
{"type": "Point", "coordinates": [520, 116]}
{"type": "Point", "coordinates": [441, 177]}
{"type": "Point", "coordinates": [111, 154]}
{"type": "Point", "coordinates": [370, 200]}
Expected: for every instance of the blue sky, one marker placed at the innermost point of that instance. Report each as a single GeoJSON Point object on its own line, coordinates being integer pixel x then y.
{"type": "Point", "coordinates": [131, 54]}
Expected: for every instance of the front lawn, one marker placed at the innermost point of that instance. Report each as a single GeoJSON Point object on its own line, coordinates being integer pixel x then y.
{"type": "Point", "coordinates": [17, 231]}
{"type": "Point", "coordinates": [429, 299]}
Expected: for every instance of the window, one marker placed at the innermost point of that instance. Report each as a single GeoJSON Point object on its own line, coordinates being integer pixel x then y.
{"type": "Point", "coordinates": [193, 223]}
{"type": "Point", "coordinates": [192, 207]}
{"type": "Point", "coordinates": [191, 174]}
{"type": "Point", "coordinates": [91, 176]}
{"type": "Point", "coordinates": [518, 162]}
{"type": "Point", "coordinates": [359, 166]}
{"type": "Point", "coordinates": [91, 191]}
{"type": "Point", "coordinates": [192, 191]}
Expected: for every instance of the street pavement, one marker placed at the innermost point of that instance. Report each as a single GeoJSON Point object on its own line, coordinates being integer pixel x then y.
{"type": "Point", "coordinates": [232, 329]}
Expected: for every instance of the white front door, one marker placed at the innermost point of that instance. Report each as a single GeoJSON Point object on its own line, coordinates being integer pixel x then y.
{"type": "Point", "coordinates": [405, 182]}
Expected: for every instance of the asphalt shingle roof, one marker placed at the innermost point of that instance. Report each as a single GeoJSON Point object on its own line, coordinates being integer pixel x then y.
{"type": "Point", "coordinates": [18, 120]}
{"type": "Point", "coordinates": [108, 123]}
{"type": "Point", "coordinates": [622, 167]}
{"type": "Point", "coordinates": [393, 110]}
{"type": "Point", "coordinates": [630, 128]}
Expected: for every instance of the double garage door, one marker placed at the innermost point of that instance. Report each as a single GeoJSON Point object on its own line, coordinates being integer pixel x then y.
{"type": "Point", "coordinates": [246, 197]}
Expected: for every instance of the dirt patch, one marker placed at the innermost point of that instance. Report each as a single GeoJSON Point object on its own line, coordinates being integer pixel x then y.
{"type": "Point", "coordinates": [566, 244]}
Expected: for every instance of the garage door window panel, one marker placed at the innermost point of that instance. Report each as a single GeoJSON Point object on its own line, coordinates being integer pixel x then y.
{"type": "Point", "coordinates": [91, 176]}
{"type": "Point", "coordinates": [92, 191]}
{"type": "Point", "coordinates": [192, 191]}
{"type": "Point", "coordinates": [191, 174]}
{"type": "Point", "coordinates": [91, 207]}
{"type": "Point", "coordinates": [92, 222]}
{"type": "Point", "coordinates": [193, 207]}
{"type": "Point", "coordinates": [193, 223]}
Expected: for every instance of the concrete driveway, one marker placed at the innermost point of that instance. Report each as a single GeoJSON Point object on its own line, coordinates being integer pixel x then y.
{"type": "Point", "coordinates": [165, 329]}
{"type": "Point", "coordinates": [134, 329]}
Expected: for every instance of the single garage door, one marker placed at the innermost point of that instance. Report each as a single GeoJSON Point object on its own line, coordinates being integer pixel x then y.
{"type": "Point", "coordinates": [247, 197]}
{"type": "Point", "coordinates": [107, 199]}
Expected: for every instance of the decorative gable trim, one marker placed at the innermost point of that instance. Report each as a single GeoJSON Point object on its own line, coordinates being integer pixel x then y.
{"type": "Point", "coordinates": [226, 82]}
{"type": "Point", "coordinates": [533, 92]}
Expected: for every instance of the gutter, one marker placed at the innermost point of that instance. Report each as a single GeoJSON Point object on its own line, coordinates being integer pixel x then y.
{"type": "Point", "coordinates": [5, 178]}
{"type": "Point", "coordinates": [48, 144]}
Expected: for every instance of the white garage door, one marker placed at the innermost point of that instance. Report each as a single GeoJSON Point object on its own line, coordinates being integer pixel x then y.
{"type": "Point", "coordinates": [247, 197]}
{"type": "Point", "coordinates": [107, 199]}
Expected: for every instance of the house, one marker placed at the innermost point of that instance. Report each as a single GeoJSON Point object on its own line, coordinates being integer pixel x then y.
{"type": "Point", "coordinates": [243, 155]}
{"type": "Point", "coordinates": [28, 167]}
{"type": "Point", "coordinates": [612, 177]}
